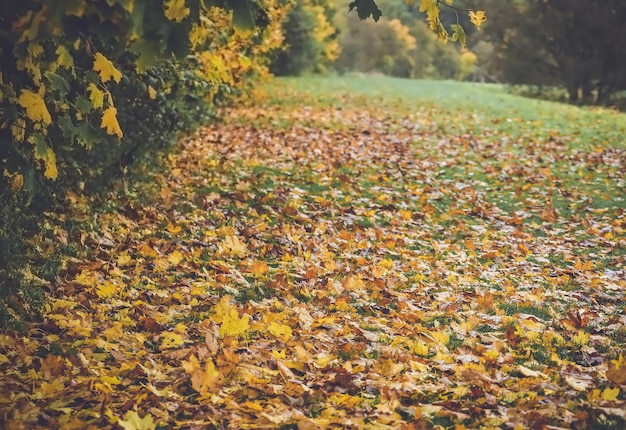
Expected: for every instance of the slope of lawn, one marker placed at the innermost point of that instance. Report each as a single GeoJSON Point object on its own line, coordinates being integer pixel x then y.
{"type": "Point", "coordinates": [350, 252]}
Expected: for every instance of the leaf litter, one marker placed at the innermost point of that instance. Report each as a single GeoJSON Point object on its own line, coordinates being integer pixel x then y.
{"type": "Point", "coordinates": [340, 266]}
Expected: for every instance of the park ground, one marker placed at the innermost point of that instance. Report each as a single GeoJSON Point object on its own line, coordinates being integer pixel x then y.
{"type": "Point", "coordinates": [348, 252]}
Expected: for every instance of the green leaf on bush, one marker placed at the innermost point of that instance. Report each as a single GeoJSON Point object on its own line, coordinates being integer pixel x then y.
{"type": "Point", "coordinates": [58, 83]}
{"type": "Point", "coordinates": [147, 54]}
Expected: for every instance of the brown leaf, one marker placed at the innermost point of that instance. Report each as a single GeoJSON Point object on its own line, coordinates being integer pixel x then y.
{"type": "Point", "coordinates": [149, 324]}
{"type": "Point", "coordinates": [616, 373]}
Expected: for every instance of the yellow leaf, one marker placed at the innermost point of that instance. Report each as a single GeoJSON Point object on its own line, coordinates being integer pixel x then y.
{"type": "Point", "coordinates": [232, 245]}
{"type": "Point", "coordinates": [191, 365]}
{"type": "Point", "coordinates": [477, 18]}
{"type": "Point", "coordinates": [171, 340]}
{"type": "Point", "coordinates": [147, 251]}
{"type": "Point", "coordinates": [50, 162]}
{"type": "Point", "coordinates": [109, 121]}
{"type": "Point", "coordinates": [221, 309]}
{"type": "Point", "coordinates": [232, 325]}
{"type": "Point", "coordinates": [152, 93]}
{"type": "Point", "coordinates": [112, 380]}
{"type": "Point", "coordinates": [406, 215]}
{"type": "Point", "coordinates": [610, 394]}
{"type": "Point", "coordinates": [175, 258]}
{"type": "Point", "coordinates": [106, 291]}
{"type": "Point", "coordinates": [132, 421]}
{"type": "Point", "coordinates": [175, 10]}
{"type": "Point", "coordinates": [491, 354]}
{"type": "Point", "coordinates": [114, 332]}
{"type": "Point", "coordinates": [259, 268]}
{"type": "Point", "coordinates": [203, 379]}
{"type": "Point", "coordinates": [35, 106]}
{"type": "Point", "coordinates": [96, 96]}
{"type": "Point", "coordinates": [64, 58]}
{"type": "Point", "coordinates": [87, 278]}
{"type": "Point", "coordinates": [49, 389]}
{"type": "Point", "coordinates": [281, 331]}
{"type": "Point", "coordinates": [106, 69]}
{"type": "Point", "coordinates": [581, 338]}
{"type": "Point", "coordinates": [18, 129]}
{"type": "Point", "coordinates": [386, 263]}
{"type": "Point", "coordinates": [441, 337]}
{"type": "Point", "coordinates": [418, 347]}
{"type": "Point", "coordinates": [279, 355]}
{"type": "Point", "coordinates": [124, 259]}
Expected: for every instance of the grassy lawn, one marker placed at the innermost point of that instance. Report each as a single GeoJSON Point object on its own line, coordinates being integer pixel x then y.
{"type": "Point", "coordinates": [349, 252]}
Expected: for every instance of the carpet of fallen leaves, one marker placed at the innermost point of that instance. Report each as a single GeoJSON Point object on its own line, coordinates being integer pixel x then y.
{"type": "Point", "coordinates": [338, 266]}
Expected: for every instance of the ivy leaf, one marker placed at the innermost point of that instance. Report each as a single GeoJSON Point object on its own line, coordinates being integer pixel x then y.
{"type": "Point", "coordinates": [132, 421]}
{"type": "Point", "coordinates": [106, 69]}
{"type": "Point", "coordinates": [477, 18]}
{"type": "Point", "coordinates": [175, 10]}
{"type": "Point", "coordinates": [35, 106]}
{"type": "Point", "coordinates": [109, 121]}
{"type": "Point", "coordinates": [365, 9]}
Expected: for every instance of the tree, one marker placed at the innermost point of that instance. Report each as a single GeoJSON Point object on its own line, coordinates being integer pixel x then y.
{"type": "Point", "coordinates": [310, 43]}
{"type": "Point", "coordinates": [576, 44]}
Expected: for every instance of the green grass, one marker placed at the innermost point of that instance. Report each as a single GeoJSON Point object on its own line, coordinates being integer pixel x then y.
{"type": "Point", "coordinates": [459, 101]}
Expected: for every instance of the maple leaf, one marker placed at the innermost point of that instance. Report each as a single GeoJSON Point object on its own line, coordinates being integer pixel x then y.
{"type": "Point", "coordinates": [106, 69]}
{"type": "Point", "coordinates": [171, 340]}
{"type": "Point", "coordinates": [109, 121]}
{"type": "Point", "coordinates": [477, 18]}
{"type": "Point", "coordinates": [232, 325]}
{"type": "Point", "coordinates": [35, 106]}
{"type": "Point", "coordinates": [95, 96]}
{"type": "Point", "coordinates": [232, 245]}
{"type": "Point", "coordinates": [281, 331]}
{"type": "Point", "coordinates": [610, 394]}
{"type": "Point", "coordinates": [132, 421]}
{"type": "Point", "coordinates": [175, 10]}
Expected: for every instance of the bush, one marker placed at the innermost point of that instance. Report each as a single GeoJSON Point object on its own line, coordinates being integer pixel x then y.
{"type": "Point", "coordinates": [85, 92]}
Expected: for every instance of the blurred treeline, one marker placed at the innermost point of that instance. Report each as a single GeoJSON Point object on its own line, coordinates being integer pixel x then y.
{"type": "Point", "coordinates": [566, 50]}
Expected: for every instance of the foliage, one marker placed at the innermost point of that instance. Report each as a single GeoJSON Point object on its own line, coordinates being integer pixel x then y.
{"type": "Point", "coordinates": [310, 39]}
{"type": "Point", "coordinates": [432, 9]}
{"type": "Point", "coordinates": [348, 258]}
{"type": "Point", "coordinates": [86, 89]}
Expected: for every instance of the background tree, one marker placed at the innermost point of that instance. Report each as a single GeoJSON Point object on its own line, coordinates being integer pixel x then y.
{"type": "Point", "coordinates": [310, 39]}
{"type": "Point", "coordinates": [576, 44]}
{"type": "Point", "coordinates": [399, 44]}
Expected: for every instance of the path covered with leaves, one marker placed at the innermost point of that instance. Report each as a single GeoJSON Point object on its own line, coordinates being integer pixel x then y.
{"type": "Point", "coordinates": [341, 265]}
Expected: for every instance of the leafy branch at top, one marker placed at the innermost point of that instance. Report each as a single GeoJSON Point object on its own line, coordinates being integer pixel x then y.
{"type": "Point", "coordinates": [367, 8]}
